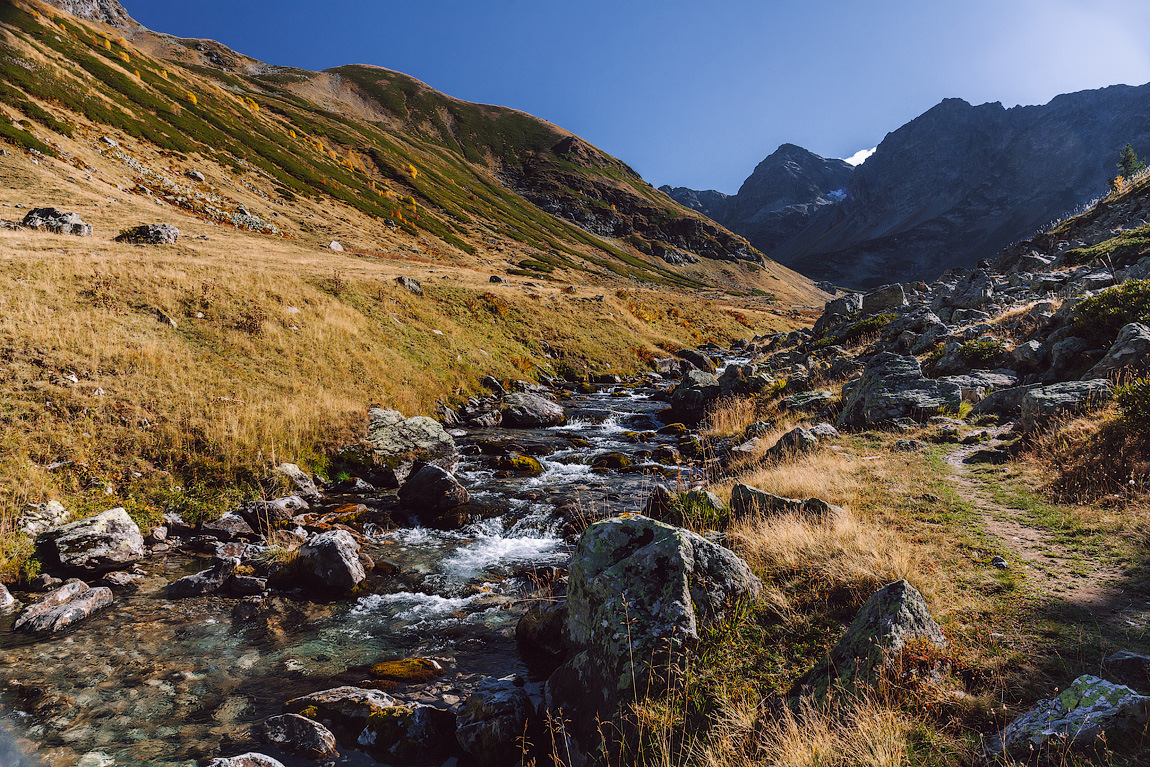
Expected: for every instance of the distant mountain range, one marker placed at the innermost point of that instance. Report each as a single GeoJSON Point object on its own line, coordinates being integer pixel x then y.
{"type": "Point", "coordinates": [953, 186]}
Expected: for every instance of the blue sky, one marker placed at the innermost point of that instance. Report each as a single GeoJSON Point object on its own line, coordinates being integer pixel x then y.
{"type": "Point", "coordinates": [697, 93]}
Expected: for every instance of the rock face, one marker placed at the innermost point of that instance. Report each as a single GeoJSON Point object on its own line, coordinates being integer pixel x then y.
{"type": "Point", "coordinates": [893, 386]}
{"type": "Point", "coordinates": [99, 544]}
{"type": "Point", "coordinates": [1081, 715]}
{"type": "Point", "coordinates": [333, 557]}
{"type": "Point", "coordinates": [57, 221]}
{"type": "Point", "coordinates": [72, 602]}
{"type": "Point", "coordinates": [398, 442]}
{"type": "Point", "coordinates": [1042, 405]}
{"type": "Point", "coordinates": [300, 735]}
{"type": "Point", "coordinates": [150, 234]}
{"type": "Point", "coordinates": [638, 589]}
{"type": "Point", "coordinates": [529, 411]}
{"type": "Point", "coordinates": [1130, 351]}
{"type": "Point", "coordinates": [895, 615]}
{"type": "Point", "coordinates": [107, 11]}
{"type": "Point", "coordinates": [494, 722]}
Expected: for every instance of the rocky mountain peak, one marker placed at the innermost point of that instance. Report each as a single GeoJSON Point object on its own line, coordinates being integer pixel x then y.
{"type": "Point", "coordinates": [106, 11]}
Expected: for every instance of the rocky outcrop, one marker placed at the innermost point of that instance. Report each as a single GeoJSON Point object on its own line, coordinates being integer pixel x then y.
{"type": "Point", "coordinates": [638, 590]}
{"type": "Point", "coordinates": [894, 616]}
{"type": "Point", "coordinates": [106, 11]}
{"type": "Point", "coordinates": [62, 607]}
{"type": "Point", "coordinates": [150, 234]}
{"type": "Point", "coordinates": [1040, 406]}
{"type": "Point", "coordinates": [57, 222]}
{"type": "Point", "coordinates": [397, 443]}
{"type": "Point", "coordinates": [747, 501]}
{"type": "Point", "coordinates": [1130, 352]}
{"type": "Point", "coordinates": [893, 387]}
{"type": "Point", "coordinates": [98, 544]}
{"type": "Point", "coordinates": [1090, 711]}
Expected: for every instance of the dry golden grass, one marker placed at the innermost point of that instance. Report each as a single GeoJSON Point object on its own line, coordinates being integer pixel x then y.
{"type": "Point", "coordinates": [824, 474]}
{"type": "Point", "coordinates": [730, 417]}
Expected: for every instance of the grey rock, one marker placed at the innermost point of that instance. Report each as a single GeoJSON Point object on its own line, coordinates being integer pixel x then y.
{"type": "Point", "coordinates": [805, 400]}
{"type": "Point", "coordinates": [254, 519]}
{"type": "Point", "coordinates": [415, 734]}
{"type": "Point", "coordinates": [102, 543]}
{"type": "Point", "coordinates": [494, 721]}
{"type": "Point", "coordinates": [303, 484]}
{"type": "Point", "coordinates": [825, 431]}
{"type": "Point", "coordinates": [333, 557]}
{"type": "Point", "coordinates": [55, 611]}
{"type": "Point", "coordinates": [397, 443]}
{"type": "Point", "coordinates": [343, 710]}
{"type": "Point", "coordinates": [751, 501]}
{"type": "Point", "coordinates": [660, 503]}
{"type": "Point", "coordinates": [497, 280]}
{"type": "Point", "coordinates": [7, 601]}
{"type": "Point", "coordinates": [529, 411]}
{"type": "Point", "coordinates": [56, 221]}
{"type": "Point", "coordinates": [1000, 563]}
{"type": "Point", "coordinates": [696, 392]}
{"type": "Point", "coordinates": [336, 246]}
{"type": "Point", "coordinates": [245, 586]}
{"type": "Point", "coordinates": [1029, 356]}
{"type": "Point", "coordinates": [1129, 352]}
{"type": "Point", "coordinates": [883, 299]}
{"type": "Point", "coordinates": [43, 516]}
{"type": "Point", "coordinates": [1006, 403]}
{"type": "Point", "coordinates": [195, 175]}
{"type": "Point", "coordinates": [409, 284]}
{"type": "Point", "coordinates": [107, 11]}
{"type": "Point", "coordinates": [893, 387]}
{"type": "Point", "coordinates": [1041, 405]}
{"type": "Point", "coordinates": [1082, 715]}
{"type": "Point", "coordinates": [431, 491]}
{"type": "Point", "coordinates": [204, 582]}
{"type": "Point", "coordinates": [150, 234]}
{"type": "Point", "coordinates": [1066, 358]}
{"type": "Point", "coordinates": [894, 616]}
{"type": "Point", "coordinates": [794, 443]}
{"type": "Point", "coordinates": [299, 735]}
{"type": "Point", "coordinates": [250, 759]}
{"type": "Point", "coordinates": [1128, 668]}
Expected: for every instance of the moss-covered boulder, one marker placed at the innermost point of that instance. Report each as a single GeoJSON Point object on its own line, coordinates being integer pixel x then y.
{"type": "Point", "coordinates": [343, 710]}
{"type": "Point", "coordinates": [895, 616]}
{"type": "Point", "coordinates": [520, 464]}
{"type": "Point", "coordinates": [497, 723]}
{"type": "Point", "coordinates": [397, 443]}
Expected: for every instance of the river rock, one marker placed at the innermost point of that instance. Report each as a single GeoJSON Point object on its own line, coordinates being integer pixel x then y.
{"type": "Point", "coordinates": [57, 221]}
{"type": "Point", "coordinates": [333, 557]}
{"type": "Point", "coordinates": [300, 481]}
{"type": "Point", "coordinates": [250, 759]}
{"type": "Point", "coordinates": [99, 544]}
{"type": "Point", "coordinates": [696, 392]}
{"type": "Point", "coordinates": [41, 517]}
{"type": "Point", "coordinates": [1041, 405]}
{"type": "Point", "coordinates": [299, 735]}
{"type": "Point", "coordinates": [150, 234]}
{"type": "Point", "coordinates": [495, 720]}
{"type": "Point", "coordinates": [261, 517]}
{"type": "Point", "coordinates": [893, 387]}
{"type": "Point", "coordinates": [751, 501]}
{"type": "Point", "coordinates": [204, 582]}
{"type": "Point", "coordinates": [416, 734]}
{"type": "Point", "coordinates": [72, 602]}
{"type": "Point", "coordinates": [397, 443]}
{"type": "Point", "coordinates": [7, 601]}
{"type": "Point", "coordinates": [343, 710]}
{"type": "Point", "coordinates": [1130, 351]}
{"type": "Point", "coordinates": [638, 589]}
{"type": "Point", "coordinates": [541, 630]}
{"type": "Point", "coordinates": [431, 491]}
{"type": "Point", "coordinates": [895, 615]}
{"type": "Point", "coordinates": [1088, 712]}
{"type": "Point", "coordinates": [529, 411]}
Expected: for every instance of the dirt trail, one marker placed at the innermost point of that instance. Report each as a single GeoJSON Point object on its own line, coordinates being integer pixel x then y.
{"type": "Point", "coordinates": [1076, 578]}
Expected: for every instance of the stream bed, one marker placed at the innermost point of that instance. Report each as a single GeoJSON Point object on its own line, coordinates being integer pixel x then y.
{"type": "Point", "coordinates": [152, 681]}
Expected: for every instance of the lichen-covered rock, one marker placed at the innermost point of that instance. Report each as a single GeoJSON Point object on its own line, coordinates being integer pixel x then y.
{"type": "Point", "coordinates": [894, 616]}
{"type": "Point", "coordinates": [250, 759]}
{"type": "Point", "coordinates": [57, 221]}
{"type": "Point", "coordinates": [262, 518]}
{"type": "Point", "coordinates": [520, 464]}
{"type": "Point", "coordinates": [638, 593]}
{"type": "Point", "coordinates": [1087, 711]}
{"type": "Point", "coordinates": [528, 411]}
{"type": "Point", "coordinates": [343, 710]}
{"type": "Point", "coordinates": [204, 582]}
{"type": "Point", "coordinates": [98, 544]}
{"type": "Point", "coordinates": [397, 443]}
{"type": "Point", "coordinates": [751, 501]}
{"type": "Point", "coordinates": [299, 480]}
{"type": "Point", "coordinates": [410, 284]}
{"type": "Point", "coordinates": [416, 734]}
{"type": "Point", "coordinates": [299, 735]}
{"type": "Point", "coordinates": [1041, 405]}
{"type": "Point", "coordinates": [66, 605]}
{"type": "Point", "coordinates": [44, 516]}
{"type": "Point", "coordinates": [150, 234]}
{"type": "Point", "coordinates": [883, 298]}
{"type": "Point", "coordinates": [497, 722]}
{"type": "Point", "coordinates": [333, 557]}
{"type": "Point", "coordinates": [792, 444]}
{"type": "Point", "coordinates": [1130, 351]}
{"type": "Point", "coordinates": [807, 400]}
{"type": "Point", "coordinates": [893, 387]}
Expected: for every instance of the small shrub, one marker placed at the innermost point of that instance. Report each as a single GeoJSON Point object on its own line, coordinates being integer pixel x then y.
{"type": "Point", "coordinates": [864, 327]}
{"type": "Point", "coordinates": [982, 352]}
{"type": "Point", "coordinates": [1134, 405]}
{"type": "Point", "coordinates": [1100, 318]}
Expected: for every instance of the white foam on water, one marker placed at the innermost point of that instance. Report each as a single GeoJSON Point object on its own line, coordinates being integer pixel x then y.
{"type": "Point", "coordinates": [559, 473]}
{"type": "Point", "coordinates": [410, 606]}
{"type": "Point", "coordinates": [488, 551]}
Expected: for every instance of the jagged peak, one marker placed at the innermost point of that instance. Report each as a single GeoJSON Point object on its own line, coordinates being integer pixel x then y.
{"type": "Point", "coordinates": [106, 11]}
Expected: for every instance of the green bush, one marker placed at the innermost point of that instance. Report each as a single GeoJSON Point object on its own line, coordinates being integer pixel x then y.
{"type": "Point", "coordinates": [1100, 318]}
{"type": "Point", "coordinates": [856, 331]}
{"type": "Point", "coordinates": [1134, 405]}
{"type": "Point", "coordinates": [980, 352]}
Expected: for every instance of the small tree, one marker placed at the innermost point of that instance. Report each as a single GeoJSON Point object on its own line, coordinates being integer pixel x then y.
{"type": "Point", "coordinates": [1129, 162]}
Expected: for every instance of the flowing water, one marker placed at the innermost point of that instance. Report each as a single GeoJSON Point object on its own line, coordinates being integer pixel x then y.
{"type": "Point", "coordinates": [156, 682]}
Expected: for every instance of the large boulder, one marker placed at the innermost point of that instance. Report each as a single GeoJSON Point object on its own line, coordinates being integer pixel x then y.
{"type": "Point", "coordinates": [749, 501]}
{"type": "Point", "coordinates": [528, 411]}
{"type": "Point", "coordinates": [303, 485]}
{"type": "Point", "coordinates": [397, 443]}
{"type": "Point", "coordinates": [62, 607]}
{"type": "Point", "coordinates": [1041, 405]}
{"type": "Point", "coordinates": [794, 443]}
{"type": "Point", "coordinates": [497, 722]}
{"type": "Point", "coordinates": [639, 591]}
{"type": "Point", "coordinates": [300, 735]}
{"type": "Point", "coordinates": [1091, 711]}
{"type": "Point", "coordinates": [893, 617]}
{"type": "Point", "coordinates": [976, 384]}
{"type": "Point", "coordinates": [693, 395]}
{"type": "Point", "coordinates": [150, 234]}
{"type": "Point", "coordinates": [1130, 351]}
{"type": "Point", "coordinates": [333, 558]}
{"type": "Point", "coordinates": [883, 299]}
{"type": "Point", "coordinates": [41, 517]}
{"type": "Point", "coordinates": [415, 734]}
{"type": "Point", "coordinates": [892, 387]}
{"type": "Point", "coordinates": [1005, 403]}
{"type": "Point", "coordinates": [431, 492]}
{"type": "Point", "coordinates": [204, 582]}
{"type": "Point", "coordinates": [343, 710]}
{"type": "Point", "coordinates": [57, 221]}
{"type": "Point", "coordinates": [98, 544]}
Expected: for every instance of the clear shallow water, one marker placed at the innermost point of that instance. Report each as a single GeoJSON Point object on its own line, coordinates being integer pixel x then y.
{"type": "Point", "coordinates": [161, 683]}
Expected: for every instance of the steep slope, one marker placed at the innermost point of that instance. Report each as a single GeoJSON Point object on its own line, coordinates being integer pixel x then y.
{"type": "Point", "coordinates": [380, 142]}
{"type": "Point", "coordinates": [952, 187]}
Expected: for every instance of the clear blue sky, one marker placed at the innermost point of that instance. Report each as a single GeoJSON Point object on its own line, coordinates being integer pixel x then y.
{"type": "Point", "coordinates": [697, 93]}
